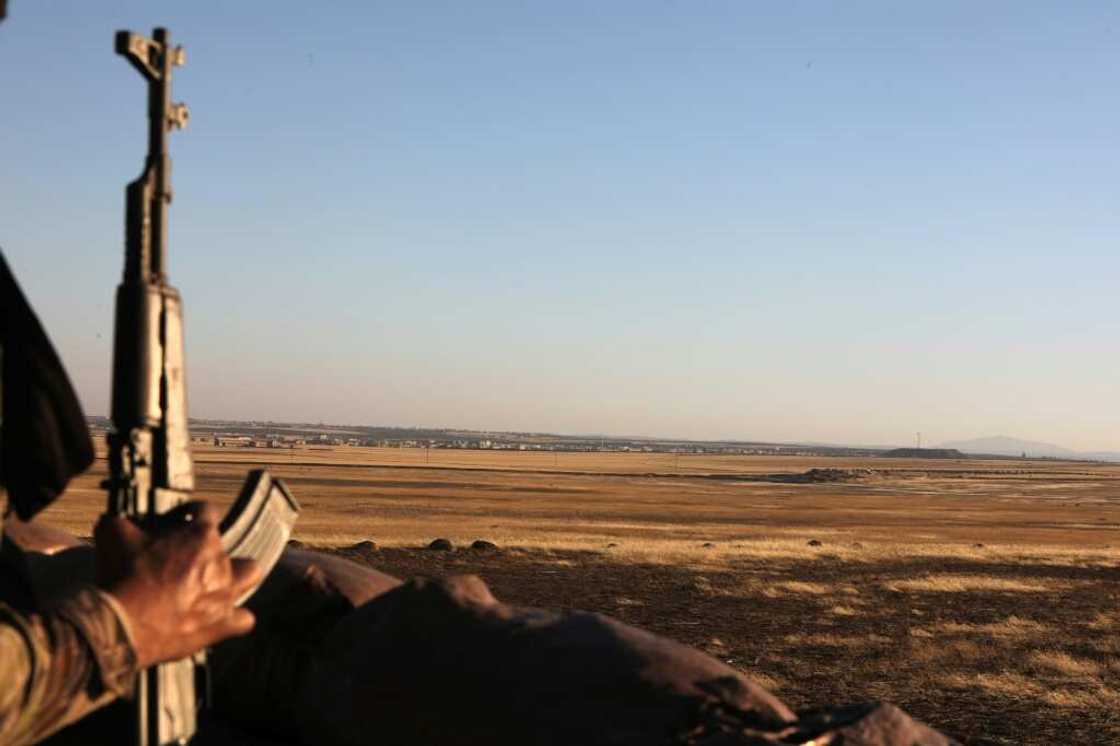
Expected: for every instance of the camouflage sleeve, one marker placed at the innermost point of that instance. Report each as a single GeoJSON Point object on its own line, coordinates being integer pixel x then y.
{"type": "Point", "coordinates": [57, 666]}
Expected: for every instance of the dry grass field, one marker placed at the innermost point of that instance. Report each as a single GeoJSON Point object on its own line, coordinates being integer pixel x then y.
{"type": "Point", "coordinates": [981, 596]}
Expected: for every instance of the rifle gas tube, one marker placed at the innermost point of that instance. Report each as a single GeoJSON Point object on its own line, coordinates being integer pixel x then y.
{"type": "Point", "coordinates": [150, 465]}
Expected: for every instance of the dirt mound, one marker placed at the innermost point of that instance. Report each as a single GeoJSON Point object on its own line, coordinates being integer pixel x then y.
{"type": "Point", "coordinates": [816, 476]}
{"type": "Point", "coordinates": [924, 453]}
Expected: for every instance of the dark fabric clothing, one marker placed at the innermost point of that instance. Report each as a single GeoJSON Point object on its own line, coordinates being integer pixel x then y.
{"type": "Point", "coordinates": [62, 660]}
{"type": "Point", "coordinates": [44, 440]}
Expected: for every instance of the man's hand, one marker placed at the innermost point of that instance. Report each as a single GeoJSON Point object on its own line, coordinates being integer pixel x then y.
{"type": "Point", "coordinates": [177, 586]}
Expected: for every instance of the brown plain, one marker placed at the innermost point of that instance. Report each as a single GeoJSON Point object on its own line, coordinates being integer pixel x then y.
{"type": "Point", "coordinates": [981, 596]}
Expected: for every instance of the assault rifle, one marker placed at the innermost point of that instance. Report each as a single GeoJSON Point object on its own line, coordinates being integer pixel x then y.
{"type": "Point", "coordinates": [150, 465]}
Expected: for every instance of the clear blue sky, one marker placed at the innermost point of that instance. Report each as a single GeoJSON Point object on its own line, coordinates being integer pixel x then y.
{"type": "Point", "coordinates": [789, 221]}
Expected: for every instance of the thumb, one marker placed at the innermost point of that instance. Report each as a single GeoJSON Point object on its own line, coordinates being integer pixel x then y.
{"type": "Point", "coordinates": [117, 541]}
{"type": "Point", "coordinates": [118, 531]}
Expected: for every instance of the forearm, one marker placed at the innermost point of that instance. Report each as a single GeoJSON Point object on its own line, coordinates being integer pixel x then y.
{"type": "Point", "coordinates": [58, 666]}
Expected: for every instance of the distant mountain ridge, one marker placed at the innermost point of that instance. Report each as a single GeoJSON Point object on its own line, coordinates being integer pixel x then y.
{"type": "Point", "coordinates": [1003, 445]}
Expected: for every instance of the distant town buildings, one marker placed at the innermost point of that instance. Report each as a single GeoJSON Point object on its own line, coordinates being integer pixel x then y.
{"type": "Point", "coordinates": [275, 435]}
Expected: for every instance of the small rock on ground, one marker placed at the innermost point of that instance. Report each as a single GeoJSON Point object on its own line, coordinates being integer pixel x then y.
{"type": "Point", "coordinates": [441, 545]}
{"type": "Point", "coordinates": [481, 545]}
